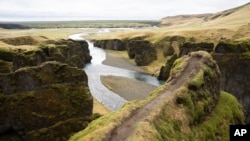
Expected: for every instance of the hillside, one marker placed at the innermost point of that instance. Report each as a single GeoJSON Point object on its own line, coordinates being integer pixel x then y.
{"type": "Point", "coordinates": [234, 17]}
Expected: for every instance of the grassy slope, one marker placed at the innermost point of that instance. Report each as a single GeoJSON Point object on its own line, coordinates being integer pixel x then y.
{"type": "Point", "coordinates": [233, 17]}
{"type": "Point", "coordinates": [229, 18]}
{"type": "Point", "coordinates": [229, 24]}
{"type": "Point", "coordinates": [38, 34]}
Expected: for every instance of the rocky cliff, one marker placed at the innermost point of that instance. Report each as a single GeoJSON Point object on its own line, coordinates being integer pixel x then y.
{"type": "Point", "coordinates": [43, 95]}
{"type": "Point", "coordinates": [112, 44]}
{"type": "Point", "coordinates": [189, 106]}
{"type": "Point", "coordinates": [139, 49]}
{"type": "Point", "coordinates": [233, 60]}
{"type": "Point", "coordinates": [38, 101]}
{"type": "Point", "coordinates": [74, 53]}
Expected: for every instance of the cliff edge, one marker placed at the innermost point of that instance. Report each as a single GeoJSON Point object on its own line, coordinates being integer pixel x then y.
{"type": "Point", "coordinates": [189, 106]}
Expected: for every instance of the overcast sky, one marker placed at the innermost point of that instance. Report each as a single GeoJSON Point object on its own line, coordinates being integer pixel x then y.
{"type": "Point", "coordinates": [30, 10]}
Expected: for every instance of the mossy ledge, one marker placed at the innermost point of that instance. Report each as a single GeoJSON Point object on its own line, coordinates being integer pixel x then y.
{"type": "Point", "coordinates": [189, 106]}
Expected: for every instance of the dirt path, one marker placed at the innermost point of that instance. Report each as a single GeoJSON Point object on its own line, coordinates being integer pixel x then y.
{"type": "Point", "coordinates": [123, 132]}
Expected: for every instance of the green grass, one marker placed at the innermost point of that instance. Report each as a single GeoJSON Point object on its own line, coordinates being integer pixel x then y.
{"type": "Point", "coordinates": [198, 79]}
{"type": "Point", "coordinates": [245, 55]}
{"type": "Point", "coordinates": [216, 127]}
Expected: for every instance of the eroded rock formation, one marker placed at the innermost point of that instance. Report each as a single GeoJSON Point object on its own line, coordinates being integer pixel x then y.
{"type": "Point", "coordinates": [189, 106]}
{"type": "Point", "coordinates": [142, 51]}
{"type": "Point", "coordinates": [67, 51]}
{"type": "Point", "coordinates": [234, 62]}
{"type": "Point", "coordinates": [43, 95]}
{"type": "Point", "coordinates": [112, 44]}
{"type": "Point", "coordinates": [139, 49]}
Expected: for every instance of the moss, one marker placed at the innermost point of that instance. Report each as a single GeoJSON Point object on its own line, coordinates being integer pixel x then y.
{"type": "Point", "coordinates": [186, 114]}
{"type": "Point", "coordinates": [23, 40]}
{"type": "Point", "coordinates": [197, 81]}
{"type": "Point", "coordinates": [165, 70]}
{"type": "Point", "coordinates": [177, 67]}
{"type": "Point", "coordinates": [216, 127]}
{"type": "Point", "coordinates": [245, 55]}
{"type": "Point", "coordinates": [6, 55]}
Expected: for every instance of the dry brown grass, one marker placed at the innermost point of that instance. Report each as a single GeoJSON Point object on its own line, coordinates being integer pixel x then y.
{"type": "Point", "coordinates": [100, 108]}
{"type": "Point", "coordinates": [49, 33]}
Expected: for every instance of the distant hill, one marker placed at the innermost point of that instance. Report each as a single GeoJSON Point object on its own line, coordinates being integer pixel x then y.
{"type": "Point", "coordinates": [12, 26]}
{"type": "Point", "coordinates": [80, 24]}
{"type": "Point", "coordinates": [232, 17]}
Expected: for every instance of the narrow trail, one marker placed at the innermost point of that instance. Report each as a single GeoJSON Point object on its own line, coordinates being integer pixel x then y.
{"type": "Point", "coordinates": [124, 131]}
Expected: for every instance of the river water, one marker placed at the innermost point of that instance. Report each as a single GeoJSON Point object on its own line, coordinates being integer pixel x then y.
{"type": "Point", "coordinates": [95, 69]}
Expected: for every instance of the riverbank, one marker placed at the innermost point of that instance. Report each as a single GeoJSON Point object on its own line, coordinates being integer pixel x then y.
{"type": "Point", "coordinates": [127, 88]}
{"type": "Point", "coordinates": [120, 59]}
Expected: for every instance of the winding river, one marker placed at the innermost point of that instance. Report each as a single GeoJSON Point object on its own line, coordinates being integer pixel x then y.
{"type": "Point", "coordinates": [95, 69]}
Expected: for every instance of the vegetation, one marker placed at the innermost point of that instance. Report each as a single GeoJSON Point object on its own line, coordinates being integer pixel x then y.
{"type": "Point", "coordinates": [203, 113]}
{"type": "Point", "coordinates": [88, 24]}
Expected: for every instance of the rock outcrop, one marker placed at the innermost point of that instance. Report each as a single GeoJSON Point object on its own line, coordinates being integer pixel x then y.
{"type": "Point", "coordinates": [189, 106]}
{"type": "Point", "coordinates": [138, 48]}
{"type": "Point", "coordinates": [74, 53]}
{"type": "Point", "coordinates": [234, 62]}
{"type": "Point", "coordinates": [190, 47]}
{"type": "Point", "coordinates": [142, 51]}
{"type": "Point", "coordinates": [46, 102]}
{"type": "Point", "coordinates": [43, 95]}
{"type": "Point", "coordinates": [165, 70]}
{"type": "Point", "coordinates": [6, 58]}
{"type": "Point", "coordinates": [112, 44]}
{"type": "Point", "coordinates": [233, 59]}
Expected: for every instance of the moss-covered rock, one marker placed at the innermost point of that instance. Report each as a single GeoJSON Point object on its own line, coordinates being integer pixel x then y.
{"type": "Point", "coordinates": [165, 70]}
{"type": "Point", "coordinates": [233, 59]}
{"type": "Point", "coordinates": [142, 51]}
{"type": "Point", "coordinates": [188, 107]}
{"type": "Point", "coordinates": [74, 53]}
{"type": "Point", "coordinates": [232, 47]}
{"type": "Point", "coordinates": [5, 66]}
{"type": "Point", "coordinates": [112, 44]}
{"type": "Point", "coordinates": [46, 102]}
{"type": "Point", "coordinates": [190, 47]}
{"type": "Point", "coordinates": [7, 55]}
{"type": "Point", "coordinates": [170, 44]}
{"type": "Point", "coordinates": [235, 70]}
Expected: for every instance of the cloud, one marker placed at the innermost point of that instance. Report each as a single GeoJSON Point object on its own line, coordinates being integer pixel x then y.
{"type": "Point", "coordinates": [108, 9]}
